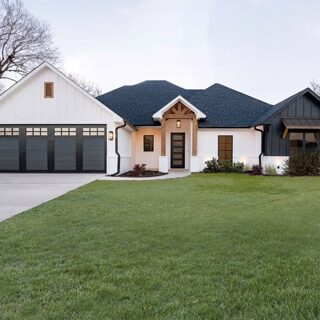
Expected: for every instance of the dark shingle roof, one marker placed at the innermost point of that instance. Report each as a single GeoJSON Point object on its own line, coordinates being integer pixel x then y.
{"type": "Point", "coordinates": [224, 107]}
{"type": "Point", "coordinates": [139, 102]}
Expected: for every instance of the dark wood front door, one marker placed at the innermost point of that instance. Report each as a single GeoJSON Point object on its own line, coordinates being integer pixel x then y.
{"type": "Point", "coordinates": [177, 150]}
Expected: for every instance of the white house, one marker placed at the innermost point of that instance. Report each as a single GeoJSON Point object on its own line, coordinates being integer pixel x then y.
{"type": "Point", "coordinates": [49, 124]}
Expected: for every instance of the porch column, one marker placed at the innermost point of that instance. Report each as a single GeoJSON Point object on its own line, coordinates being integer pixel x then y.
{"type": "Point", "coordinates": [194, 136]}
{"type": "Point", "coordinates": [163, 137]}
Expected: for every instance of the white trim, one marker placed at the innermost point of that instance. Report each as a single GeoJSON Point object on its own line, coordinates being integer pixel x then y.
{"type": "Point", "coordinates": [45, 64]}
{"type": "Point", "coordinates": [158, 115]}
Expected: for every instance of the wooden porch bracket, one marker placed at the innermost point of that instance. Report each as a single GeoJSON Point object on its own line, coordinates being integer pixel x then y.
{"type": "Point", "coordinates": [285, 133]}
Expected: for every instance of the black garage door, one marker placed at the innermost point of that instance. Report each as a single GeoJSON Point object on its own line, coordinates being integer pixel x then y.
{"type": "Point", "coordinates": [60, 148]}
{"type": "Point", "coordinates": [36, 154]}
{"type": "Point", "coordinates": [9, 149]}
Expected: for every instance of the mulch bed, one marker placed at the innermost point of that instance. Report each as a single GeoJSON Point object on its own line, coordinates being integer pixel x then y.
{"type": "Point", "coordinates": [147, 174]}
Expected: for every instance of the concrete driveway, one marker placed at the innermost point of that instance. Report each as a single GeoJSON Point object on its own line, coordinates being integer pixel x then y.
{"type": "Point", "coordinates": [20, 192]}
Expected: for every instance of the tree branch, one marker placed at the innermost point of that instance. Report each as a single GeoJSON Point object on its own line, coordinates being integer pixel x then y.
{"type": "Point", "coordinates": [25, 41]}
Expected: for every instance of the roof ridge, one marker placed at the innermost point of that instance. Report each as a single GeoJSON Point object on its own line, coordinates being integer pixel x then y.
{"type": "Point", "coordinates": [140, 83]}
{"type": "Point", "coordinates": [238, 92]}
{"type": "Point", "coordinates": [165, 81]}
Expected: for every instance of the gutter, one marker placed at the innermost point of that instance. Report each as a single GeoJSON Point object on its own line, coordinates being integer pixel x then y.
{"type": "Point", "coordinates": [262, 144]}
{"type": "Point", "coordinates": [117, 149]}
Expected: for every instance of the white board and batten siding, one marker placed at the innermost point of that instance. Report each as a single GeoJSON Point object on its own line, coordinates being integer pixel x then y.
{"type": "Point", "coordinates": [25, 104]}
{"type": "Point", "coordinates": [70, 105]}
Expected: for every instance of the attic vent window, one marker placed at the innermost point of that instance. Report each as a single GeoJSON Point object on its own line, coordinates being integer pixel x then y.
{"type": "Point", "coordinates": [48, 89]}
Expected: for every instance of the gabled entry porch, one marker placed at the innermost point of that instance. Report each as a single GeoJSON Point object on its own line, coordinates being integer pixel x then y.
{"type": "Point", "coordinates": [179, 135]}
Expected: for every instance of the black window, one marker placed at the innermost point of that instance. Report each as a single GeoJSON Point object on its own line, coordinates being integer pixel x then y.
{"type": "Point", "coordinates": [148, 142]}
{"type": "Point", "coordinates": [296, 142]}
{"type": "Point", "coordinates": [301, 142]}
{"type": "Point", "coordinates": [311, 141]}
{"type": "Point", "coordinates": [225, 148]}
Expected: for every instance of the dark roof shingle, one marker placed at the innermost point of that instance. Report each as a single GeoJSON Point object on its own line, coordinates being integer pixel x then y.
{"type": "Point", "coordinates": [224, 107]}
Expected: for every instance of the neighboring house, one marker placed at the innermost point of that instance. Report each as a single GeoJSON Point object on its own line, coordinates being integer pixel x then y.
{"type": "Point", "coordinates": [49, 124]}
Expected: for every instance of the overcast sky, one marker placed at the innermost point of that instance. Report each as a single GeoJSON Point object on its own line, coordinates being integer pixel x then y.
{"type": "Point", "coordinates": [269, 49]}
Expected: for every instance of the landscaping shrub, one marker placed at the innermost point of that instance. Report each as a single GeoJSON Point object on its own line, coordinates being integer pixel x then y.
{"type": "Point", "coordinates": [256, 170]}
{"type": "Point", "coordinates": [139, 169]}
{"type": "Point", "coordinates": [229, 166]}
{"type": "Point", "coordinates": [214, 166]}
{"type": "Point", "coordinates": [304, 164]}
{"type": "Point", "coordinates": [270, 170]}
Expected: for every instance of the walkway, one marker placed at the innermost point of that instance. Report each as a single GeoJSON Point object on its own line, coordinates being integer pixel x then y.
{"type": "Point", "coordinates": [171, 175]}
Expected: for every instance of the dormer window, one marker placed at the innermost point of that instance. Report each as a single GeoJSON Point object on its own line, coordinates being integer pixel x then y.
{"type": "Point", "coordinates": [48, 89]}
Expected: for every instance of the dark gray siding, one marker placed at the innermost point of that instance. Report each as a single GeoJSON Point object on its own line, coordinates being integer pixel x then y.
{"type": "Point", "coordinates": [305, 106]}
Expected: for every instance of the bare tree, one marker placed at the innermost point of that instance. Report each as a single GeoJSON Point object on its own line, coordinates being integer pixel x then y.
{"type": "Point", "coordinates": [25, 41]}
{"type": "Point", "coordinates": [90, 86]}
{"type": "Point", "coordinates": [315, 86]}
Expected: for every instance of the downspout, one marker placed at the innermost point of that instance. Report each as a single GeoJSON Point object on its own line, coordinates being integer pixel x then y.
{"type": "Point", "coordinates": [262, 144]}
{"type": "Point", "coordinates": [117, 149]}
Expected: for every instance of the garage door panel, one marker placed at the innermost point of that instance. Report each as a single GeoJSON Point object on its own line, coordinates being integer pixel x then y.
{"type": "Point", "coordinates": [93, 154]}
{"type": "Point", "coordinates": [9, 154]}
{"type": "Point", "coordinates": [65, 155]}
{"type": "Point", "coordinates": [53, 148]}
{"type": "Point", "coordinates": [37, 154]}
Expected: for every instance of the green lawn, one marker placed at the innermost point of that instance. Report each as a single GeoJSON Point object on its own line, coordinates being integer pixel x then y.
{"type": "Point", "coordinates": [202, 247]}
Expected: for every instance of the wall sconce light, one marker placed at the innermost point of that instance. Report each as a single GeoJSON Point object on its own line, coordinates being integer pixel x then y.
{"type": "Point", "coordinates": [110, 135]}
{"type": "Point", "coordinates": [178, 123]}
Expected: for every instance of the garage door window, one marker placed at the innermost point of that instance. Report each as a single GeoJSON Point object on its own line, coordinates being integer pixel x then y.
{"type": "Point", "coordinates": [9, 131]}
{"type": "Point", "coordinates": [93, 131]}
{"type": "Point", "coordinates": [37, 131]}
{"type": "Point", "coordinates": [65, 131]}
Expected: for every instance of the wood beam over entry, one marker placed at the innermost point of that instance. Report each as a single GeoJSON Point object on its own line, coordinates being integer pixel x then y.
{"type": "Point", "coordinates": [163, 137]}
{"type": "Point", "coordinates": [179, 111]}
{"type": "Point", "coordinates": [194, 137]}
{"type": "Point", "coordinates": [179, 116]}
